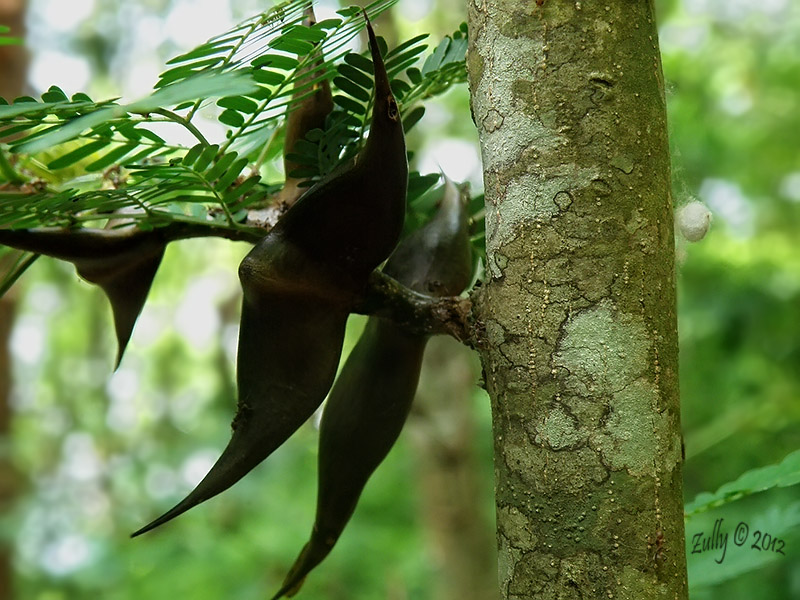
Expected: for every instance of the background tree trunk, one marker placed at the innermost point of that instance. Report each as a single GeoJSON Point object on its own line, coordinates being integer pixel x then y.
{"type": "Point", "coordinates": [9, 479]}
{"type": "Point", "coordinates": [13, 59]}
{"type": "Point", "coordinates": [442, 432]}
{"type": "Point", "coordinates": [13, 71]}
{"type": "Point", "coordinates": [579, 304]}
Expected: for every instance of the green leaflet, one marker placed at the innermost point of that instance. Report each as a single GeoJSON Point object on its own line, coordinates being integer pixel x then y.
{"type": "Point", "coordinates": [413, 117]}
{"type": "Point", "coordinates": [356, 76]}
{"type": "Point", "coordinates": [74, 156]}
{"type": "Point", "coordinates": [784, 474]}
{"type": "Point", "coordinates": [112, 157]}
{"type": "Point", "coordinates": [205, 157]}
{"type": "Point", "coordinates": [227, 178]}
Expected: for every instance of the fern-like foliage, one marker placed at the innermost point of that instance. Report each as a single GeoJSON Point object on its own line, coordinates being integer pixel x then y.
{"type": "Point", "coordinates": [75, 161]}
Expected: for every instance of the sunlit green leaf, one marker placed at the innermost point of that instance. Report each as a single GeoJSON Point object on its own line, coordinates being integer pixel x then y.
{"type": "Point", "coordinates": [302, 32]}
{"type": "Point", "coordinates": [412, 118]}
{"type": "Point", "coordinates": [397, 62]}
{"type": "Point", "coordinates": [349, 104]}
{"type": "Point", "coordinates": [784, 474]}
{"type": "Point", "coordinates": [357, 76]}
{"type": "Point", "coordinates": [54, 94]}
{"type": "Point", "coordinates": [112, 157]}
{"type": "Point", "coordinates": [359, 62]}
{"type": "Point", "coordinates": [351, 88]}
{"type": "Point", "coordinates": [328, 24]}
{"type": "Point", "coordinates": [276, 61]}
{"type": "Point", "coordinates": [434, 61]}
{"type": "Point", "coordinates": [294, 46]}
{"type": "Point", "coordinates": [206, 156]}
{"type": "Point", "coordinates": [199, 86]}
{"type": "Point", "coordinates": [193, 154]}
{"type": "Point", "coordinates": [241, 189]}
{"type": "Point", "coordinates": [200, 52]}
{"type": "Point", "coordinates": [238, 103]}
{"type": "Point", "coordinates": [407, 44]}
{"type": "Point", "coordinates": [75, 155]}
{"type": "Point", "coordinates": [221, 166]}
{"type": "Point", "coordinates": [233, 172]}
{"type": "Point", "coordinates": [268, 77]}
{"type": "Point", "coordinates": [231, 118]}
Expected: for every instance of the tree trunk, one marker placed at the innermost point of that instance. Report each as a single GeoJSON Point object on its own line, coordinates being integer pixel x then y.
{"type": "Point", "coordinates": [442, 432]}
{"type": "Point", "coordinates": [13, 59]}
{"type": "Point", "coordinates": [9, 478]}
{"type": "Point", "coordinates": [13, 71]}
{"type": "Point", "coordinates": [580, 358]}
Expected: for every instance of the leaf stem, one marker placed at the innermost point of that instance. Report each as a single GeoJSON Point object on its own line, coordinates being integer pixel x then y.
{"type": "Point", "coordinates": [8, 170]}
{"type": "Point", "coordinates": [264, 151]}
{"type": "Point", "coordinates": [10, 280]}
{"type": "Point", "coordinates": [175, 117]}
{"type": "Point", "coordinates": [225, 62]}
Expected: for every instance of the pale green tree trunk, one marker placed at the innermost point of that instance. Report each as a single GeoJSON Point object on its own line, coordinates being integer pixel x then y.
{"type": "Point", "coordinates": [578, 308]}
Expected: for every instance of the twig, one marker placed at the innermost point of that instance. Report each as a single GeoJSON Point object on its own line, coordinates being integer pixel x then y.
{"type": "Point", "coordinates": [176, 118]}
{"type": "Point", "coordinates": [419, 313]}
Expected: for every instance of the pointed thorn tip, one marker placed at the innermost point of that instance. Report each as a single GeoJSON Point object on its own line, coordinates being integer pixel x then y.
{"type": "Point", "coordinates": [368, 23]}
{"type": "Point", "coordinates": [142, 530]}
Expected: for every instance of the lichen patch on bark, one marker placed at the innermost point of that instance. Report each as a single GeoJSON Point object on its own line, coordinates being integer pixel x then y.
{"type": "Point", "coordinates": [603, 349]}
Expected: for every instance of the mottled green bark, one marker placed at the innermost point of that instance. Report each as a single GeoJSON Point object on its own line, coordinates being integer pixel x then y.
{"type": "Point", "coordinates": [579, 305]}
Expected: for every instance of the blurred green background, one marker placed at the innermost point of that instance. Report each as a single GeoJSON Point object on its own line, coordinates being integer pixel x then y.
{"type": "Point", "coordinates": [97, 454]}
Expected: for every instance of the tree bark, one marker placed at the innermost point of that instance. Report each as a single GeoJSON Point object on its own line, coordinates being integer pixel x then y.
{"type": "Point", "coordinates": [580, 355]}
{"type": "Point", "coordinates": [13, 59]}
{"type": "Point", "coordinates": [13, 72]}
{"type": "Point", "coordinates": [9, 478]}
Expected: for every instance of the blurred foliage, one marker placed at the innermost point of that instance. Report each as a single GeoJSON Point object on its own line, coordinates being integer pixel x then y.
{"type": "Point", "coordinates": [103, 453]}
{"type": "Point", "coordinates": [70, 160]}
{"type": "Point", "coordinates": [5, 39]}
{"type": "Point", "coordinates": [732, 72]}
